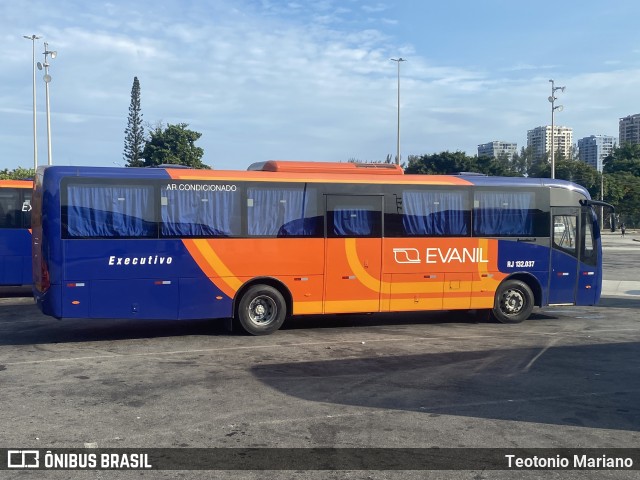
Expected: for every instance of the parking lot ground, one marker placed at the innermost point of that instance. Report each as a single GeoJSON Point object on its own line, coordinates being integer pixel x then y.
{"type": "Point", "coordinates": [567, 377]}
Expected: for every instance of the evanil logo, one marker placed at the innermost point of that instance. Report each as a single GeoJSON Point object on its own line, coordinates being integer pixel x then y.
{"type": "Point", "coordinates": [441, 255]}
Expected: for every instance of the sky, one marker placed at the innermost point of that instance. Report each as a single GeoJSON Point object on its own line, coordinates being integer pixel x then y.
{"type": "Point", "coordinates": [312, 80]}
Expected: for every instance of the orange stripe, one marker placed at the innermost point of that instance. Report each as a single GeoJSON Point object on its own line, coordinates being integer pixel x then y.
{"type": "Point", "coordinates": [230, 175]}
{"type": "Point", "coordinates": [16, 184]}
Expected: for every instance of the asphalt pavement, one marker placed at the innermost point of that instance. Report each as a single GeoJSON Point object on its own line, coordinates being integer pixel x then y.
{"type": "Point", "coordinates": [565, 378]}
{"type": "Point", "coordinates": [621, 257]}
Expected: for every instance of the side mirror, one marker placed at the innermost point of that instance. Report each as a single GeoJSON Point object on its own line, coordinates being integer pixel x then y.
{"type": "Point", "coordinates": [613, 223]}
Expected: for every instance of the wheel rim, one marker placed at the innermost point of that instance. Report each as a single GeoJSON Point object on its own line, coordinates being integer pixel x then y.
{"type": "Point", "coordinates": [512, 302]}
{"type": "Point", "coordinates": [262, 310]}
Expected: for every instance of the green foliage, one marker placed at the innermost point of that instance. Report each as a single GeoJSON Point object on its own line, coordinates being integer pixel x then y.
{"type": "Point", "coordinates": [441, 163]}
{"type": "Point", "coordinates": [173, 145]}
{"type": "Point", "coordinates": [447, 163]}
{"type": "Point", "coordinates": [624, 193]}
{"type": "Point", "coordinates": [624, 159]}
{"type": "Point", "coordinates": [17, 174]}
{"type": "Point", "coordinates": [134, 133]}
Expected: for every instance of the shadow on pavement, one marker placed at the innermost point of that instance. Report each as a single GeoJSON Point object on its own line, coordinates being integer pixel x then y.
{"type": "Point", "coordinates": [595, 386]}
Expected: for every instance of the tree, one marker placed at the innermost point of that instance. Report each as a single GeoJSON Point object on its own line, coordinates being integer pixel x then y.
{"type": "Point", "coordinates": [173, 145]}
{"type": "Point", "coordinates": [17, 174]}
{"type": "Point", "coordinates": [625, 158]}
{"type": "Point", "coordinates": [441, 163]}
{"type": "Point", "coordinates": [522, 162]}
{"type": "Point", "coordinates": [134, 133]}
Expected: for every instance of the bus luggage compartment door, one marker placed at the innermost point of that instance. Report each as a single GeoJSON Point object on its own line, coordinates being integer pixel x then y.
{"type": "Point", "coordinates": [134, 298]}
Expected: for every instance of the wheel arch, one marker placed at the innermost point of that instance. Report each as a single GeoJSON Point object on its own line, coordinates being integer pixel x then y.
{"type": "Point", "coordinates": [270, 281]}
{"type": "Point", "coordinates": [532, 282]}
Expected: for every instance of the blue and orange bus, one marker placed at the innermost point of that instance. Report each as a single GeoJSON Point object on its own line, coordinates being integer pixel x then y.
{"type": "Point", "coordinates": [15, 232]}
{"type": "Point", "coordinates": [300, 238]}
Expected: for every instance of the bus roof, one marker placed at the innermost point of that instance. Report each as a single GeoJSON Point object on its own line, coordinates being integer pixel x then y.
{"type": "Point", "coordinates": [327, 167]}
{"type": "Point", "coordinates": [315, 172]}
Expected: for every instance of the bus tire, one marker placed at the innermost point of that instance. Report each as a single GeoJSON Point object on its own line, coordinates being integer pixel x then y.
{"type": "Point", "coordinates": [261, 310]}
{"type": "Point", "coordinates": [513, 302]}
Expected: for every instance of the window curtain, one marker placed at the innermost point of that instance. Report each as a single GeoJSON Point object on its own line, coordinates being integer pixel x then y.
{"type": "Point", "coordinates": [200, 214]}
{"type": "Point", "coordinates": [111, 211]}
{"type": "Point", "coordinates": [503, 213]}
{"type": "Point", "coordinates": [352, 222]}
{"type": "Point", "coordinates": [282, 212]}
{"type": "Point", "coordinates": [434, 213]}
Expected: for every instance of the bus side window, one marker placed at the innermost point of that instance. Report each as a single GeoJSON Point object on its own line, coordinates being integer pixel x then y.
{"type": "Point", "coordinates": [354, 216]}
{"type": "Point", "coordinates": [200, 213]}
{"type": "Point", "coordinates": [283, 211]}
{"type": "Point", "coordinates": [588, 254]}
{"type": "Point", "coordinates": [503, 213]}
{"type": "Point", "coordinates": [105, 211]}
{"type": "Point", "coordinates": [435, 213]}
{"type": "Point", "coordinates": [25, 214]}
{"type": "Point", "coordinates": [9, 201]}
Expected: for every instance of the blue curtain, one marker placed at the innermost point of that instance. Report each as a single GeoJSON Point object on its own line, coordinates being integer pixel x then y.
{"type": "Point", "coordinates": [440, 212]}
{"type": "Point", "coordinates": [200, 214]}
{"type": "Point", "coordinates": [503, 213]}
{"type": "Point", "coordinates": [110, 211]}
{"type": "Point", "coordinates": [282, 212]}
{"type": "Point", "coordinates": [352, 222]}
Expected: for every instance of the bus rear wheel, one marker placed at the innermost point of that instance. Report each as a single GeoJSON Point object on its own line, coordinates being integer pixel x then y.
{"type": "Point", "coordinates": [261, 310]}
{"type": "Point", "coordinates": [513, 302]}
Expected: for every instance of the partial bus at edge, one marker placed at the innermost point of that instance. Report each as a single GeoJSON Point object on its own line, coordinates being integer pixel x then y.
{"type": "Point", "coordinates": [15, 232]}
{"type": "Point", "coordinates": [307, 238]}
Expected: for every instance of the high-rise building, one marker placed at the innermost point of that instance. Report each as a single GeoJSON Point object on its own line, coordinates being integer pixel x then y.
{"type": "Point", "coordinates": [539, 141]}
{"type": "Point", "coordinates": [496, 148]}
{"type": "Point", "coordinates": [594, 149]}
{"type": "Point", "coordinates": [630, 129]}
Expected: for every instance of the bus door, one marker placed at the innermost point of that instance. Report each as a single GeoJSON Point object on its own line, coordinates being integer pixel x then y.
{"type": "Point", "coordinates": [589, 273]}
{"type": "Point", "coordinates": [353, 253]}
{"type": "Point", "coordinates": [565, 237]}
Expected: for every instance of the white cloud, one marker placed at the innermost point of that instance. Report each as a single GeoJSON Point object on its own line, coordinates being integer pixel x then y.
{"type": "Point", "coordinates": [266, 80]}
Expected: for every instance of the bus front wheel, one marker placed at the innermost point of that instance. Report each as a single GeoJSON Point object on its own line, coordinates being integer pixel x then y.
{"type": "Point", "coordinates": [261, 310]}
{"type": "Point", "coordinates": [513, 303]}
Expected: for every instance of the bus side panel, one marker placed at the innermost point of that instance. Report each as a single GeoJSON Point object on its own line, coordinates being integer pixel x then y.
{"type": "Point", "coordinates": [136, 279]}
{"type": "Point", "coordinates": [15, 257]}
{"type": "Point", "coordinates": [432, 273]}
{"type": "Point", "coordinates": [50, 302]}
{"type": "Point", "coordinates": [588, 286]}
{"type": "Point", "coordinates": [528, 258]}
{"type": "Point", "coordinates": [295, 262]}
{"type": "Point", "coordinates": [200, 298]}
{"type": "Point", "coordinates": [136, 298]}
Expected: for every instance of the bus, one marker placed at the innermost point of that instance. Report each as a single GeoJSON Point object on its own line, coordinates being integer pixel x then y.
{"type": "Point", "coordinates": [305, 238]}
{"type": "Point", "coordinates": [15, 232]}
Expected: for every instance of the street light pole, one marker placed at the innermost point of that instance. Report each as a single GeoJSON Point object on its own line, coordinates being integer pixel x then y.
{"type": "Point", "coordinates": [552, 99]}
{"type": "Point", "coordinates": [47, 80]}
{"type": "Point", "coordinates": [398, 60]}
{"type": "Point", "coordinates": [33, 39]}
